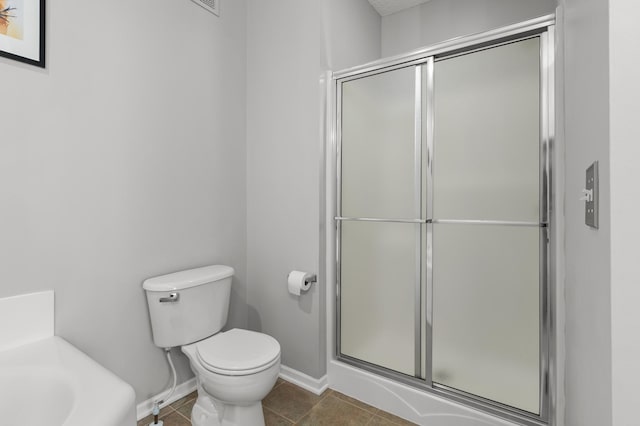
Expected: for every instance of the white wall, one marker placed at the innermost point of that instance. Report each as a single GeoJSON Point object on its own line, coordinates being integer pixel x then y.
{"type": "Point", "coordinates": [124, 159]}
{"type": "Point", "coordinates": [283, 68]}
{"type": "Point", "coordinates": [625, 230]}
{"type": "Point", "coordinates": [351, 33]}
{"type": "Point", "coordinates": [440, 20]}
{"type": "Point", "coordinates": [289, 43]}
{"type": "Point", "coordinates": [587, 283]}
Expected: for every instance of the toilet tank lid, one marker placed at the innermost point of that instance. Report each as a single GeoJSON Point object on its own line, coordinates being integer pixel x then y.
{"type": "Point", "coordinates": [189, 278]}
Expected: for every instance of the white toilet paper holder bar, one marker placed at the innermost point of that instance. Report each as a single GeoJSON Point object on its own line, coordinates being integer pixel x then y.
{"type": "Point", "coordinates": [311, 279]}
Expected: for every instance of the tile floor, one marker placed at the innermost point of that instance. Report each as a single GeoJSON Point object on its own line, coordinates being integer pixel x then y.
{"type": "Point", "coordinates": [288, 404]}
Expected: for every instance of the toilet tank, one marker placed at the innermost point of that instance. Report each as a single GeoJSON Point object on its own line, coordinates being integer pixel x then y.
{"type": "Point", "coordinates": [188, 306]}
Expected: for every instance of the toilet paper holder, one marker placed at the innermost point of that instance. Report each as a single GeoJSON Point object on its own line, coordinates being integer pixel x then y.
{"type": "Point", "coordinates": [299, 281]}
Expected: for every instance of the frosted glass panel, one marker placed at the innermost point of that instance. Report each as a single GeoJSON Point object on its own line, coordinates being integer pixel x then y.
{"type": "Point", "coordinates": [486, 145]}
{"type": "Point", "coordinates": [378, 178]}
{"type": "Point", "coordinates": [486, 312]}
{"type": "Point", "coordinates": [377, 293]}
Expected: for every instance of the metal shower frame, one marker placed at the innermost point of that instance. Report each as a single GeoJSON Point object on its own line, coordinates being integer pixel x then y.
{"type": "Point", "coordinates": [423, 60]}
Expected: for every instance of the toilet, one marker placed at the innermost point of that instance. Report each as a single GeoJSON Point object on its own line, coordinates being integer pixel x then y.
{"type": "Point", "coordinates": [234, 369]}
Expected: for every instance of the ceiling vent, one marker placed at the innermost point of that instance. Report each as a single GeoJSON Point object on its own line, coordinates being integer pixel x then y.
{"type": "Point", "coordinates": [212, 6]}
{"type": "Point", "coordinates": [388, 7]}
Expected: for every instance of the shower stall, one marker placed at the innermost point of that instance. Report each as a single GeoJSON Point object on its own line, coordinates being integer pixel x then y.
{"type": "Point", "coordinates": [442, 222]}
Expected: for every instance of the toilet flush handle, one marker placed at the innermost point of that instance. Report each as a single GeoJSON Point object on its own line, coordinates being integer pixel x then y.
{"type": "Point", "coordinates": [173, 297]}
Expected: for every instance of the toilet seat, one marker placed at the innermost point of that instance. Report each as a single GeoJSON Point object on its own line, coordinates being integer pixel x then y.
{"type": "Point", "coordinates": [238, 352]}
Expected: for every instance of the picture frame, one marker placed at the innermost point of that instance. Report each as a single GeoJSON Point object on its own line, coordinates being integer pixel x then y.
{"type": "Point", "coordinates": [22, 31]}
{"type": "Point", "coordinates": [212, 6]}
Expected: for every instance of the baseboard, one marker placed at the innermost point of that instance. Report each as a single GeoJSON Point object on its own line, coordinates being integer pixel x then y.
{"type": "Point", "coordinates": [316, 386]}
{"type": "Point", "coordinates": [144, 408]}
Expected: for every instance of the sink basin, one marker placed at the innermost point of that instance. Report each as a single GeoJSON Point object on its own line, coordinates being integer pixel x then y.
{"type": "Point", "coordinates": [36, 396]}
{"type": "Point", "coordinates": [50, 382]}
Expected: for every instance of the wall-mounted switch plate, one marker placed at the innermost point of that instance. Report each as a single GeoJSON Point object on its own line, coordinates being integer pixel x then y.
{"type": "Point", "coordinates": [591, 200]}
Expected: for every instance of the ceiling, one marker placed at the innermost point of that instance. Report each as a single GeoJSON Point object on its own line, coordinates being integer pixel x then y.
{"type": "Point", "coordinates": [387, 7]}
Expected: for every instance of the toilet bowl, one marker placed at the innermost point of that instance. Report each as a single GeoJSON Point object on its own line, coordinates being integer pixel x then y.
{"type": "Point", "coordinates": [234, 369]}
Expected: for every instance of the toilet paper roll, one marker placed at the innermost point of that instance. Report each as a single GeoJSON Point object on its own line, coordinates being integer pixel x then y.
{"type": "Point", "coordinates": [299, 281]}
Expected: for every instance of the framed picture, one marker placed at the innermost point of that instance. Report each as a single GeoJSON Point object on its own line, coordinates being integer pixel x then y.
{"type": "Point", "coordinates": [212, 6]}
{"type": "Point", "coordinates": [22, 30]}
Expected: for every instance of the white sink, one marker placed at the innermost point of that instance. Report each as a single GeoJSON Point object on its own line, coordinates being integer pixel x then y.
{"type": "Point", "coordinates": [50, 382]}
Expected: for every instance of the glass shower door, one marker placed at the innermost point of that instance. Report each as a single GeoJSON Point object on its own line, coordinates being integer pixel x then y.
{"type": "Point", "coordinates": [486, 224]}
{"type": "Point", "coordinates": [442, 220]}
{"type": "Point", "coordinates": [379, 220]}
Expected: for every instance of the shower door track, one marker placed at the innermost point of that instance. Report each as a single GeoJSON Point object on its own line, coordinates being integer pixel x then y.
{"type": "Point", "coordinates": [423, 60]}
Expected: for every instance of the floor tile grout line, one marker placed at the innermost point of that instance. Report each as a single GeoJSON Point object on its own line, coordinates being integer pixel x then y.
{"type": "Point", "coordinates": [168, 410]}
{"type": "Point", "coordinates": [310, 410]}
{"type": "Point", "coordinates": [358, 408]}
{"type": "Point", "coordinates": [339, 399]}
{"type": "Point", "coordinates": [383, 418]}
{"type": "Point", "coordinates": [175, 407]}
{"type": "Point", "coordinates": [361, 408]}
{"type": "Point", "coordinates": [287, 418]}
{"type": "Point", "coordinates": [293, 421]}
{"type": "Point", "coordinates": [326, 394]}
{"type": "Point", "coordinates": [278, 414]}
{"type": "Point", "coordinates": [183, 416]}
{"type": "Point", "coordinates": [304, 415]}
{"type": "Point", "coordinates": [374, 413]}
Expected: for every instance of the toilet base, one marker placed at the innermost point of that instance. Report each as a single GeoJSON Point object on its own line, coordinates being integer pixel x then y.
{"type": "Point", "coordinates": [209, 412]}
{"type": "Point", "coordinates": [230, 400]}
